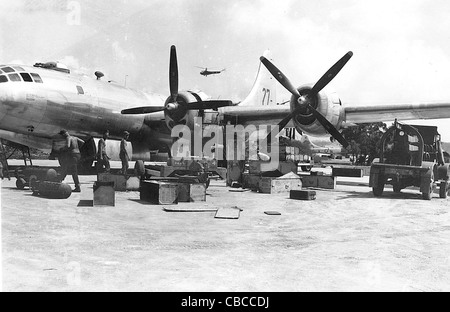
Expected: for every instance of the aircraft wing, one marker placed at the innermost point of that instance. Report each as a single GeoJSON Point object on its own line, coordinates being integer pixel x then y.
{"type": "Point", "coordinates": [408, 111]}
{"type": "Point", "coordinates": [256, 115]}
{"type": "Point", "coordinates": [271, 115]}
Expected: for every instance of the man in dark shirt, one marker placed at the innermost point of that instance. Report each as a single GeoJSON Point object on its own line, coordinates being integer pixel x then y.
{"type": "Point", "coordinates": [71, 153]}
{"type": "Point", "coordinates": [124, 157]}
{"type": "Point", "coordinates": [102, 157]}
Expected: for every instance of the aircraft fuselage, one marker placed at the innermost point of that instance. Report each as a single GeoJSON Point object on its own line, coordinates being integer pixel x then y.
{"type": "Point", "coordinates": [37, 103]}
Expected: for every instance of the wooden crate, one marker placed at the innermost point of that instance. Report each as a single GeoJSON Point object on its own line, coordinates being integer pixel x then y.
{"type": "Point", "coordinates": [191, 192]}
{"type": "Point", "coordinates": [104, 194]}
{"type": "Point", "coordinates": [326, 182]}
{"type": "Point", "coordinates": [309, 181]}
{"type": "Point", "coordinates": [284, 167]}
{"type": "Point", "coordinates": [303, 195]}
{"type": "Point", "coordinates": [121, 184]}
{"type": "Point", "coordinates": [157, 192]}
{"type": "Point", "coordinates": [283, 184]}
{"type": "Point", "coordinates": [250, 181]}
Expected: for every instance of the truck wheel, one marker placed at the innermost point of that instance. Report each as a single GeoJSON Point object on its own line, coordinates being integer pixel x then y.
{"type": "Point", "coordinates": [378, 188]}
{"type": "Point", "coordinates": [20, 183]}
{"type": "Point", "coordinates": [428, 194]}
{"type": "Point", "coordinates": [443, 189]}
{"type": "Point", "coordinates": [305, 168]}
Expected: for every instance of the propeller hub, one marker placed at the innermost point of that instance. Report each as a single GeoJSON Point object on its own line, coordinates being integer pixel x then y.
{"type": "Point", "coordinates": [172, 106]}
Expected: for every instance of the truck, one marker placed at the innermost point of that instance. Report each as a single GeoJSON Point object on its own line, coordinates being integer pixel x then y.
{"type": "Point", "coordinates": [410, 155]}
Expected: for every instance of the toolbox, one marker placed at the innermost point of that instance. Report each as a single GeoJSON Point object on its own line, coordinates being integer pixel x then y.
{"type": "Point", "coordinates": [303, 195]}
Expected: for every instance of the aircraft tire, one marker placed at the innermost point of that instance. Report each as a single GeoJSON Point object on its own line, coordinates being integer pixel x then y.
{"type": "Point", "coordinates": [54, 190]}
{"type": "Point", "coordinates": [20, 183]}
{"type": "Point", "coordinates": [51, 175]}
{"type": "Point", "coordinates": [32, 182]}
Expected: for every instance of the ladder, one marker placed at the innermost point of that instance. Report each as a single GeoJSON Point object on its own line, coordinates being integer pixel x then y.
{"type": "Point", "coordinates": [4, 162]}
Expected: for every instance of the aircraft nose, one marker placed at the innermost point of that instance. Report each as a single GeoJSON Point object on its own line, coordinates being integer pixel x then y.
{"type": "Point", "coordinates": [3, 97]}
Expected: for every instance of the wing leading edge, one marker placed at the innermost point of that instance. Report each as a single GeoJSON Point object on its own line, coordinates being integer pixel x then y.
{"type": "Point", "coordinates": [405, 111]}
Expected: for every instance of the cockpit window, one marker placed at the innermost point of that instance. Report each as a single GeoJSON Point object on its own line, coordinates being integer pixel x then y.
{"type": "Point", "coordinates": [3, 78]}
{"type": "Point", "coordinates": [36, 78]}
{"type": "Point", "coordinates": [18, 68]}
{"type": "Point", "coordinates": [26, 77]}
{"type": "Point", "coordinates": [80, 90]}
{"type": "Point", "coordinates": [8, 69]}
{"type": "Point", "coordinates": [14, 77]}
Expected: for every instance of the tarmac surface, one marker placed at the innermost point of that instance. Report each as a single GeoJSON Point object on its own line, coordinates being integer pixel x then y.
{"type": "Point", "coordinates": [345, 240]}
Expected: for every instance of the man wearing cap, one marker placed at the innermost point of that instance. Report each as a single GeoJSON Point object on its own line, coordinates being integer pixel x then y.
{"type": "Point", "coordinates": [123, 152]}
{"type": "Point", "coordinates": [71, 150]}
{"type": "Point", "coordinates": [102, 157]}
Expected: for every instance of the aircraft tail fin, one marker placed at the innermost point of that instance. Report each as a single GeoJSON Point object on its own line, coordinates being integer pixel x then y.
{"type": "Point", "coordinates": [263, 92]}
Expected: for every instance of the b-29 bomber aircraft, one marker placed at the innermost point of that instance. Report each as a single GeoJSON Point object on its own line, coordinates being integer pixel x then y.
{"type": "Point", "coordinates": [37, 101]}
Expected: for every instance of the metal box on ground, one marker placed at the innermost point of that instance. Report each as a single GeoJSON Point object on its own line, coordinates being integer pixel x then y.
{"type": "Point", "coordinates": [351, 172]}
{"type": "Point", "coordinates": [283, 184]}
{"type": "Point", "coordinates": [161, 193]}
{"type": "Point", "coordinates": [303, 195]}
{"type": "Point", "coordinates": [191, 192]}
{"type": "Point", "coordinates": [326, 182]}
{"type": "Point", "coordinates": [104, 194]}
{"type": "Point", "coordinates": [309, 181]}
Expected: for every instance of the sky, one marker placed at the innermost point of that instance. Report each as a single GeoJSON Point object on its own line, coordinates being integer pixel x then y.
{"type": "Point", "coordinates": [401, 48]}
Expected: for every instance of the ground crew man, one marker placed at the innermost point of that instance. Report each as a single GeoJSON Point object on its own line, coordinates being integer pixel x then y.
{"type": "Point", "coordinates": [71, 155]}
{"type": "Point", "coordinates": [102, 157]}
{"type": "Point", "coordinates": [124, 157]}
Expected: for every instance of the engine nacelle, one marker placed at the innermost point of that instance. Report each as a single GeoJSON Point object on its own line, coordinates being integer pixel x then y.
{"type": "Point", "coordinates": [329, 105]}
{"type": "Point", "coordinates": [181, 115]}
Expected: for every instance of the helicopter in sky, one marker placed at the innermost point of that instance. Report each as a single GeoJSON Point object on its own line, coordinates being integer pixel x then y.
{"type": "Point", "coordinates": [205, 72]}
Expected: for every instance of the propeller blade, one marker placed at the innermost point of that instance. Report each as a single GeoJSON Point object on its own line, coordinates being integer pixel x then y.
{"type": "Point", "coordinates": [329, 127]}
{"type": "Point", "coordinates": [282, 124]}
{"type": "Point", "coordinates": [173, 74]}
{"type": "Point", "coordinates": [331, 73]}
{"type": "Point", "coordinates": [278, 75]}
{"type": "Point", "coordinates": [142, 110]}
{"type": "Point", "coordinates": [211, 104]}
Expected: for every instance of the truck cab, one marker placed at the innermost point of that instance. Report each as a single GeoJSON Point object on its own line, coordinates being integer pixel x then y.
{"type": "Point", "coordinates": [410, 155]}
